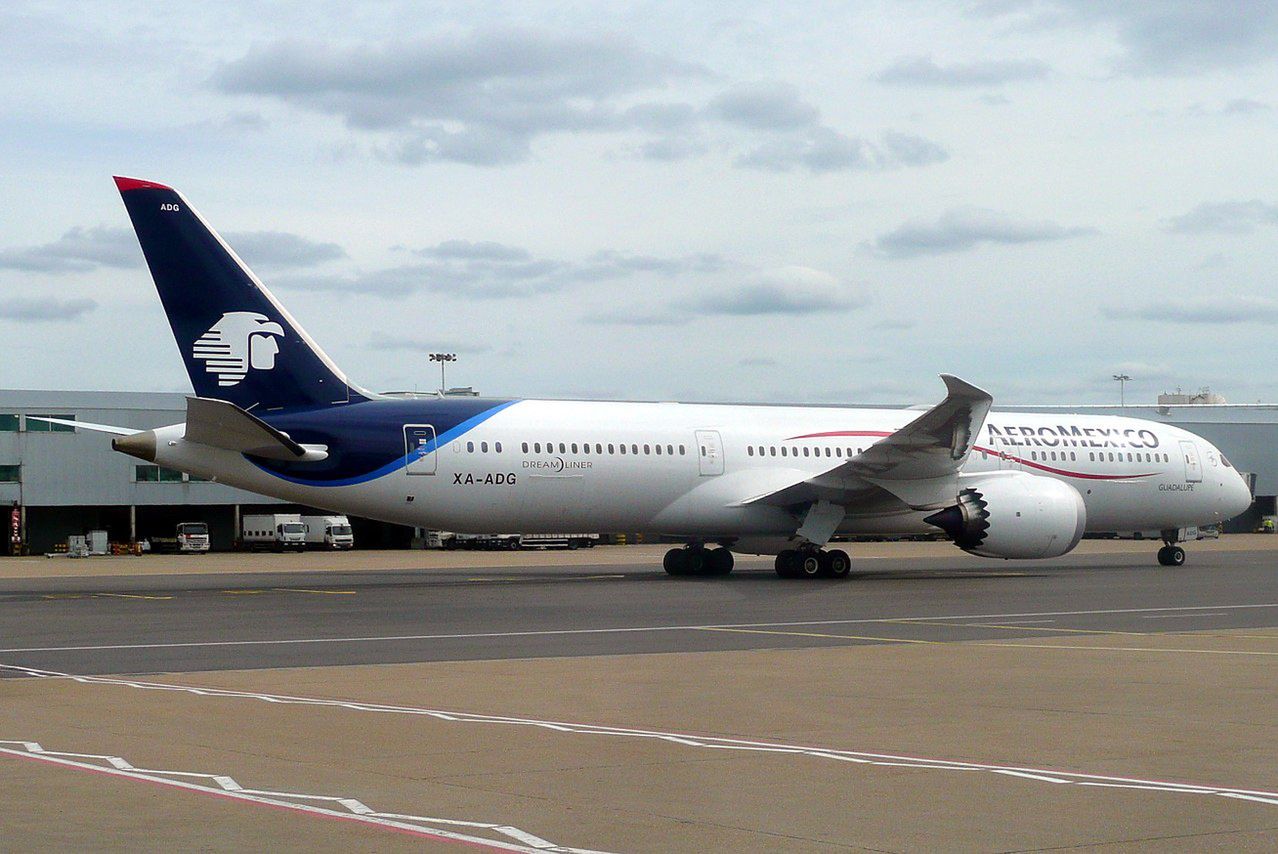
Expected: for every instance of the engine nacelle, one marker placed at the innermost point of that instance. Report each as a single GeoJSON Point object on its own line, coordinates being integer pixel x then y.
{"type": "Point", "coordinates": [1014, 515]}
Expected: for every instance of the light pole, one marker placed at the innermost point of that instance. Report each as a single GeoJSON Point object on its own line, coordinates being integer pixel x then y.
{"type": "Point", "coordinates": [1122, 389]}
{"type": "Point", "coordinates": [443, 358]}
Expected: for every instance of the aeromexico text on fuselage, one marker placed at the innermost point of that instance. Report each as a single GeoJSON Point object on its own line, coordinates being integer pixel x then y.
{"type": "Point", "coordinates": [366, 439]}
{"type": "Point", "coordinates": [1073, 436]}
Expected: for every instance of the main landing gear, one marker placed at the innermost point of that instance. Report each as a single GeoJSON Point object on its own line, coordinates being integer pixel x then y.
{"type": "Point", "coordinates": [813, 563]}
{"type": "Point", "coordinates": [698, 560]}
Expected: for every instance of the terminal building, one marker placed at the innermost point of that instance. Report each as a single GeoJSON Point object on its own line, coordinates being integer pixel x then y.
{"type": "Point", "coordinates": [61, 481]}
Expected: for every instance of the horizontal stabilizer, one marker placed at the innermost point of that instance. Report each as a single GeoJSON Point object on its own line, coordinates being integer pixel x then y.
{"type": "Point", "coordinates": [220, 424]}
{"type": "Point", "coordinates": [87, 425]}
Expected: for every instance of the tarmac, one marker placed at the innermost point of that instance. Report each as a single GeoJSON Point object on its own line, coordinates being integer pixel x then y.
{"type": "Point", "coordinates": [585, 700]}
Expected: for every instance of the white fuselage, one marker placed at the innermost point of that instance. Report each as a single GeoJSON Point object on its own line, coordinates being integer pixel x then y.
{"type": "Point", "coordinates": [691, 470]}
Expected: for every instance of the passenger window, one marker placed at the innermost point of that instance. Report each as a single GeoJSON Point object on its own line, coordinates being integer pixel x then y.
{"type": "Point", "coordinates": [783, 451]}
{"type": "Point", "coordinates": [670, 450]}
{"type": "Point", "coordinates": [497, 446]}
{"type": "Point", "coordinates": [658, 450]}
{"type": "Point", "coordinates": [647, 450]}
{"type": "Point", "coordinates": [634, 449]}
{"type": "Point", "coordinates": [525, 447]}
{"type": "Point", "coordinates": [623, 450]}
{"type": "Point", "coordinates": [598, 448]}
{"type": "Point", "coordinates": [610, 448]}
{"type": "Point", "coordinates": [563, 449]}
{"type": "Point", "coordinates": [470, 447]}
{"type": "Point", "coordinates": [483, 446]}
{"type": "Point", "coordinates": [574, 447]}
{"type": "Point", "coordinates": [536, 447]}
{"type": "Point", "coordinates": [682, 450]}
{"type": "Point", "coordinates": [773, 450]}
{"type": "Point", "coordinates": [838, 452]}
{"type": "Point", "coordinates": [750, 450]}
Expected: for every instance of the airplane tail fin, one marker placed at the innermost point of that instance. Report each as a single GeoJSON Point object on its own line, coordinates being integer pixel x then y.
{"type": "Point", "coordinates": [239, 344]}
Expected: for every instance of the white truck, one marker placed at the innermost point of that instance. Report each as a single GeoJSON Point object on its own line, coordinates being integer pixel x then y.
{"type": "Point", "coordinates": [277, 531]}
{"type": "Point", "coordinates": [328, 532]}
{"type": "Point", "coordinates": [189, 538]}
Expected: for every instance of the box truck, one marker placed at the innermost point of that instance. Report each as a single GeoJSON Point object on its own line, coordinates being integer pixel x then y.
{"type": "Point", "coordinates": [188, 538]}
{"type": "Point", "coordinates": [277, 531]}
{"type": "Point", "coordinates": [328, 532]}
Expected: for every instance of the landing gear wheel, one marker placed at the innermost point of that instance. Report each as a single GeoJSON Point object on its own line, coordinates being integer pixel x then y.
{"type": "Point", "coordinates": [719, 561]}
{"type": "Point", "coordinates": [676, 562]}
{"type": "Point", "coordinates": [809, 564]}
{"type": "Point", "coordinates": [785, 564]}
{"type": "Point", "coordinates": [836, 564]}
{"type": "Point", "coordinates": [1171, 556]}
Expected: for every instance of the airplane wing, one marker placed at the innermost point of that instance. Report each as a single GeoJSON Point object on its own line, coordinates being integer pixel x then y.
{"type": "Point", "coordinates": [220, 424]}
{"type": "Point", "coordinates": [917, 465]}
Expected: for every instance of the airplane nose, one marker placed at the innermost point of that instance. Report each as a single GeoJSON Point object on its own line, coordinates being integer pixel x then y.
{"type": "Point", "coordinates": [1239, 498]}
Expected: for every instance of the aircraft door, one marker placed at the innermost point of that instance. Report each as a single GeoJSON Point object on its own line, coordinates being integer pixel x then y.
{"type": "Point", "coordinates": [1193, 466]}
{"type": "Point", "coordinates": [709, 450]}
{"type": "Point", "coordinates": [419, 449]}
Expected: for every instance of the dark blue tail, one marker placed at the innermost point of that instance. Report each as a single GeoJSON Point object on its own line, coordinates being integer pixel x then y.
{"type": "Point", "coordinates": [238, 342]}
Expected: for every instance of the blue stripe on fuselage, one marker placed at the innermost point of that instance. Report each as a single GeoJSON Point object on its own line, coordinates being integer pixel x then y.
{"type": "Point", "coordinates": [366, 440]}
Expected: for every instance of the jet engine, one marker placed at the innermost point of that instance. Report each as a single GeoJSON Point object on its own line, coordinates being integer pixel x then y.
{"type": "Point", "coordinates": [1014, 515]}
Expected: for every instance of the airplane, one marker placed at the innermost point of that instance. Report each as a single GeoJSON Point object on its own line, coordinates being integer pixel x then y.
{"type": "Point", "coordinates": [274, 415]}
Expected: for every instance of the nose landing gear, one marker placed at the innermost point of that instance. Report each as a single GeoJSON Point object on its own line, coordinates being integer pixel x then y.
{"type": "Point", "coordinates": [813, 563]}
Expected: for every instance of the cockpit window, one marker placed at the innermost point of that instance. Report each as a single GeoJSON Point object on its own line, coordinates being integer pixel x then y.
{"type": "Point", "coordinates": [1225, 460]}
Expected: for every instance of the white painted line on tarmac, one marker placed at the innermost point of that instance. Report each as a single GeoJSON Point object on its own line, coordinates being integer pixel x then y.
{"type": "Point", "coordinates": [355, 810]}
{"type": "Point", "coordinates": [1182, 616]}
{"type": "Point", "coordinates": [622, 629]}
{"type": "Point", "coordinates": [1042, 775]}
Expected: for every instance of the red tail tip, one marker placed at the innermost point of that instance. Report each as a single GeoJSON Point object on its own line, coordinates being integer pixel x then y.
{"type": "Point", "coordinates": [126, 184]}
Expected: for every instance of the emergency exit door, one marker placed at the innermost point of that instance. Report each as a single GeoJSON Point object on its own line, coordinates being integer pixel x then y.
{"type": "Point", "coordinates": [419, 449]}
{"type": "Point", "coordinates": [710, 452]}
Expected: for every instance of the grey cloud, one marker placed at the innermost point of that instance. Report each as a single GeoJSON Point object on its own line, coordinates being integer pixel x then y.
{"type": "Point", "coordinates": [280, 250]}
{"type": "Point", "coordinates": [387, 283]}
{"type": "Point", "coordinates": [1225, 310]}
{"type": "Point", "coordinates": [640, 317]}
{"type": "Point", "coordinates": [488, 270]}
{"type": "Point", "coordinates": [672, 148]}
{"type": "Point", "coordinates": [788, 290]}
{"type": "Point", "coordinates": [484, 250]}
{"type": "Point", "coordinates": [1164, 38]}
{"type": "Point", "coordinates": [47, 309]}
{"type": "Point", "coordinates": [908, 150]}
{"type": "Point", "coordinates": [79, 250]}
{"type": "Point", "coordinates": [822, 149]}
{"type": "Point", "coordinates": [894, 324]}
{"type": "Point", "coordinates": [1237, 217]}
{"type": "Point", "coordinates": [765, 105]}
{"type": "Point", "coordinates": [480, 98]}
{"type": "Point", "coordinates": [924, 71]}
{"type": "Point", "coordinates": [961, 229]}
{"type": "Point", "coordinates": [1243, 106]}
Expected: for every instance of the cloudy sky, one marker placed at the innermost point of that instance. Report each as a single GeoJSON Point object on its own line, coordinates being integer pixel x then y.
{"type": "Point", "coordinates": [781, 202]}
